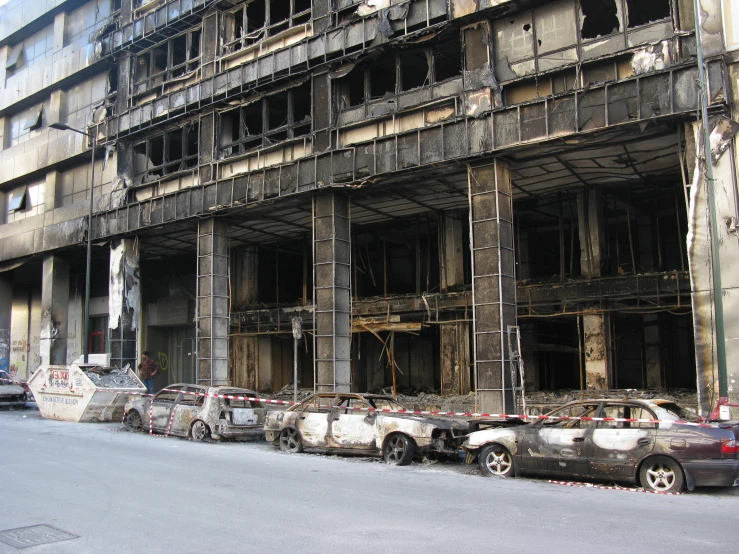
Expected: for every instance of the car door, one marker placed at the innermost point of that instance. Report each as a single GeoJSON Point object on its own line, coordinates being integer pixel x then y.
{"type": "Point", "coordinates": [187, 408]}
{"type": "Point", "coordinates": [161, 407]}
{"type": "Point", "coordinates": [559, 447]}
{"type": "Point", "coordinates": [351, 424]}
{"type": "Point", "coordinates": [312, 421]}
{"type": "Point", "coordinates": [617, 446]}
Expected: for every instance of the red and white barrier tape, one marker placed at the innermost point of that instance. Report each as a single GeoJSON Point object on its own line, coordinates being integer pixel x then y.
{"type": "Point", "coordinates": [171, 419]}
{"type": "Point", "coordinates": [609, 487]}
{"type": "Point", "coordinates": [451, 414]}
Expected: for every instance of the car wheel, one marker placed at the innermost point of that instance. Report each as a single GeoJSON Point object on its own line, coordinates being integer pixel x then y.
{"type": "Point", "coordinates": [496, 460]}
{"type": "Point", "coordinates": [662, 474]}
{"type": "Point", "coordinates": [398, 450]}
{"type": "Point", "coordinates": [290, 441]}
{"type": "Point", "coordinates": [199, 431]}
{"type": "Point", "coordinates": [133, 422]}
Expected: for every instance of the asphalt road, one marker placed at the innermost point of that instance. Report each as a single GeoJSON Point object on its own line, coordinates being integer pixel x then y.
{"type": "Point", "coordinates": [124, 492]}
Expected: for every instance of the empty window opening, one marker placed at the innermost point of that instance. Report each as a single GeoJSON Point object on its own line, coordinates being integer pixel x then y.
{"type": "Point", "coordinates": [279, 11]}
{"type": "Point", "coordinates": [113, 80]}
{"type": "Point", "coordinates": [414, 69]}
{"type": "Point", "coordinates": [179, 55]}
{"type": "Point", "coordinates": [256, 16]}
{"type": "Point", "coordinates": [170, 60]}
{"type": "Point", "coordinates": [382, 77]}
{"type": "Point", "coordinates": [599, 18]}
{"type": "Point", "coordinates": [641, 12]}
{"type": "Point", "coordinates": [259, 19]}
{"type": "Point", "coordinates": [167, 153]}
{"type": "Point", "coordinates": [277, 110]}
{"type": "Point", "coordinates": [447, 59]}
{"type": "Point", "coordinates": [281, 116]}
{"type": "Point", "coordinates": [475, 48]}
{"type": "Point", "coordinates": [350, 89]}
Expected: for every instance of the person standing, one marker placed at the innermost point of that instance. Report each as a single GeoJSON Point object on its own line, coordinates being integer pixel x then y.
{"type": "Point", "coordinates": [148, 368]}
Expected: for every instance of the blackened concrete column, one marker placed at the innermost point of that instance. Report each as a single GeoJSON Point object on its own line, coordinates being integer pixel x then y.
{"type": "Point", "coordinates": [245, 350]}
{"type": "Point", "coordinates": [124, 302]}
{"type": "Point", "coordinates": [54, 304]}
{"type": "Point", "coordinates": [596, 327]}
{"type": "Point", "coordinates": [6, 304]}
{"type": "Point", "coordinates": [332, 292]}
{"type": "Point", "coordinates": [493, 283]}
{"type": "Point", "coordinates": [213, 302]}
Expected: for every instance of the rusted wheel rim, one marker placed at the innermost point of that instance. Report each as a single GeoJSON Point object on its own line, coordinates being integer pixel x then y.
{"type": "Point", "coordinates": [133, 422]}
{"type": "Point", "coordinates": [289, 440]}
{"type": "Point", "coordinates": [499, 463]}
{"type": "Point", "coordinates": [199, 431]}
{"type": "Point", "coordinates": [661, 477]}
{"type": "Point", "coordinates": [396, 450]}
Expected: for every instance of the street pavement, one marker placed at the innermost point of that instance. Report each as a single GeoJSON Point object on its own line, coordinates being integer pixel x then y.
{"type": "Point", "coordinates": [125, 492]}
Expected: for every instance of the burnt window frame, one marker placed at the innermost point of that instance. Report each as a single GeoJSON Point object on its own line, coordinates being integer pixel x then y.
{"type": "Point", "coordinates": [579, 42]}
{"type": "Point", "coordinates": [170, 71]}
{"type": "Point", "coordinates": [366, 69]}
{"type": "Point", "coordinates": [243, 144]}
{"type": "Point", "coordinates": [187, 162]}
{"type": "Point", "coordinates": [235, 41]}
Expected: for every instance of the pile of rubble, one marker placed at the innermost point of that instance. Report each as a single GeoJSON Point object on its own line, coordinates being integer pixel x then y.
{"type": "Point", "coordinates": [112, 378]}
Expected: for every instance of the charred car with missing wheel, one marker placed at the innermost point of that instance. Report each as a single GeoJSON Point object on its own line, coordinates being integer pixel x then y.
{"type": "Point", "coordinates": [364, 424]}
{"type": "Point", "coordinates": [198, 412]}
{"type": "Point", "coordinates": [636, 441]}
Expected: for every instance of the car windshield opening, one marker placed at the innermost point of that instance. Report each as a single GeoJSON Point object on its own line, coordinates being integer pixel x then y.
{"type": "Point", "coordinates": [386, 404]}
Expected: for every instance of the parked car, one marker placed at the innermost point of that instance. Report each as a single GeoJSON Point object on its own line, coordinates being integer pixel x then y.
{"type": "Point", "coordinates": [662, 457]}
{"type": "Point", "coordinates": [12, 394]}
{"type": "Point", "coordinates": [330, 422]}
{"type": "Point", "coordinates": [196, 415]}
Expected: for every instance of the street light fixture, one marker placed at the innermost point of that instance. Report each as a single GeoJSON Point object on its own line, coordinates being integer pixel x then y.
{"type": "Point", "coordinates": [86, 329]}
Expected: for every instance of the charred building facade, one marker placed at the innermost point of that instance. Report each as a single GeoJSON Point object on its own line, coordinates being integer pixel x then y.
{"type": "Point", "coordinates": [440, 189]}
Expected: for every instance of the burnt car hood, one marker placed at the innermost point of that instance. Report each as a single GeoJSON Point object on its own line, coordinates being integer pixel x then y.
{"type": "Point", "coordinates": [440, 422]}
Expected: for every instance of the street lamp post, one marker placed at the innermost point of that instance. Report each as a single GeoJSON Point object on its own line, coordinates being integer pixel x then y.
{"type": "Point", "coordinates": [86, 329]}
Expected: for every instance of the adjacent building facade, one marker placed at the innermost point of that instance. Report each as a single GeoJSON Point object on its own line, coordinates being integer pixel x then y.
{"type": "Point", "coordinates": [445, 191]}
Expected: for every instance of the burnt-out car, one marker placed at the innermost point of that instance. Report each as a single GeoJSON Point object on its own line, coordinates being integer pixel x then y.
{"type": "Point", "coordinates": [12, 393]}
{"type": "Point", "coordinates": [198, 413]}
{"type": "Point", "coordinates": [663, 456]}
{"type": "Point", "coordinates": [355, 424]}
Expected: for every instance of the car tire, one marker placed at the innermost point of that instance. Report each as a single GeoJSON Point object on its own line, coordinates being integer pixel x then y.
{"type": "Point", "coordinates": [199, 431]}
{"type": "Point", "coordinates": [398, 450]}
{"type": "Point", "coordinates": [496, 461]}
{"type": "Point", "coordinates": [661, 474]}
{"type": "Point", "coordinates": [133, 422]}
{"type": "Point", "coordinates": [290, 441]}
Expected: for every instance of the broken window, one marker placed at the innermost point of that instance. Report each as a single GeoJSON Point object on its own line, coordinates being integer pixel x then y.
{"type": "Point", "coordinates": [164, 154]}
{"type": "Point", "coordinates": [259, 19]}
{"type": "Point", "coordinates": [476, 49]}
{"type": "Point", "coordinates": [415, 68]}
{"type": "Point", "coordinates": [17, 201]}
{"type": "Point", "coordinates": [599, 18]}
{"type": "Point", "coordinates": [169, 60]}
{"type": "Point", "coordinates": [280, 116]}
{"type": "Point", "coordinates": [642, 12]}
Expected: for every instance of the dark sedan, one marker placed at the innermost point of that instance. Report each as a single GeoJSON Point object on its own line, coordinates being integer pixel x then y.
{"type": "Point", "coordinates": [664, 457]}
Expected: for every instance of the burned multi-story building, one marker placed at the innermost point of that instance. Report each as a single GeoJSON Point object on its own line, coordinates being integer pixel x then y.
{"type": "Point", "coordinates": [423, 182]}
